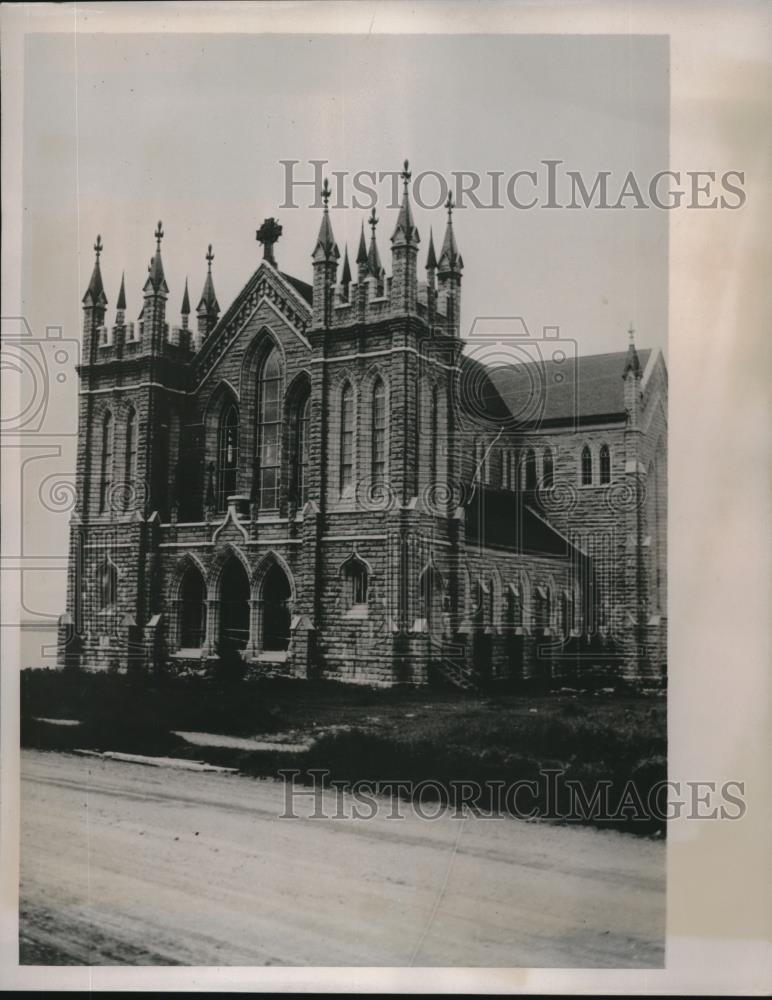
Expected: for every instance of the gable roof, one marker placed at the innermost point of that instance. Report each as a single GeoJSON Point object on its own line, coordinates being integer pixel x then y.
{"type": "Point", "coordinates": [296, 309]}
{"type": "Point", "coordinates": [589, 387]}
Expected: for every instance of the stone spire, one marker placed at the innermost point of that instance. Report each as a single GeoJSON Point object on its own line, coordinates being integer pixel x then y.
{"type": "Point", "coordinates": [431, 258]}
{"type": "Point", "coordinates": [208, 308]}
{"type": "Point", "coordinates": [326, 248]}
{"type": "Point", "coordinates": [208, 300]}
{"type": "Point", "coordinates": [449, 268]}
{"type": "Point", "coordinates": [185, 307]}
{"type": "Point", "coordinates": [345, 278]}
{"type": "Point", "coordinates": [450, 260]}
{"type": "Point", "coordinates": [362, 253]}
{"type": "Point", "coordinates": [405, 231]}
{"type": "Point", "coordinates": [404, 254]}
{"type": "Point", "coordinates": [94, 305]}
{"type": "Point", "coordinates": [156, 281]}
{"type": "Point", "coordinates": [155, 291]}
{"type": "Point", "coordinates": [325, 261]}
{"type": "Point", "coordinates": [632, 361]}
{"type": "Point", "coordinates": [120, 305]}
{"type": "Point", "coordinates": [374, 265]}
{"type": "Point", "coordinates": [631, 377]}
{"type": "Point", "coordinates": [95, 293]}
{"type": "Point", "coordinates": [120, 317]}
{"type": "Point", "coordinates": [431, 280]}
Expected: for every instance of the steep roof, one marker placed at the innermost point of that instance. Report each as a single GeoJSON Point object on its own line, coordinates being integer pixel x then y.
{"type": "Point", "coordinates": [589, 387]}
{"type": "Point", "coordinates": [303, 289]}
{"type": "Point", "coordinates": [503, 519]}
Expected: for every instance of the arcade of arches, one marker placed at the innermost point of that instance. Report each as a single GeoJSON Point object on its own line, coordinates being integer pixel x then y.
{"type": "Point", "coordinates": [228, 610]}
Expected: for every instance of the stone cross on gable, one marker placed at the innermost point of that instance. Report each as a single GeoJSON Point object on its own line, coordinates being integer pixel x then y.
{"type": "Point", "coordinates": [268, 234]}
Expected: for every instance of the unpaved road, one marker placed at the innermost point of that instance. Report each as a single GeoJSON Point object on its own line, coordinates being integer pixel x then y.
{"type": "Point", "coordinates": [127, 864]}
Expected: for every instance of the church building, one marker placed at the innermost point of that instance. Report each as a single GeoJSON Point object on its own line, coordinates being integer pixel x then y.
{"type": "Point", "coordinates": [328, 480]}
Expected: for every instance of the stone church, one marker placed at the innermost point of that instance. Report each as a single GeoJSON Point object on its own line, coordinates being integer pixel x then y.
{"type": "Point", "coordinates": [328, 480]}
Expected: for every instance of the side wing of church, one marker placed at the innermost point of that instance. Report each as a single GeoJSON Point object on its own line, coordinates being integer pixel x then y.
{"type": "Point", "coordinates": [321, 480]}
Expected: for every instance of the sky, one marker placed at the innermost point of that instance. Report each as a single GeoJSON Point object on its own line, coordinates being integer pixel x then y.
{"type": "Point", "coordinates": [123, 130]}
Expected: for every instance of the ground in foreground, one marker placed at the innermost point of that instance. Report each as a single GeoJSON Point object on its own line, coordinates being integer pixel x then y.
{"type": "Point", "coordinates": [125, 864]}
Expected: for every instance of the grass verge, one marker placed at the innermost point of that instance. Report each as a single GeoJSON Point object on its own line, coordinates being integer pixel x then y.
{"type": "Point", "coordinates": [613, 745]}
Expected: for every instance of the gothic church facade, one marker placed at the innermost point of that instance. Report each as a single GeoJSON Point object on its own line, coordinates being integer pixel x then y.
{"type": "Point", "coordinates": [322, 480]}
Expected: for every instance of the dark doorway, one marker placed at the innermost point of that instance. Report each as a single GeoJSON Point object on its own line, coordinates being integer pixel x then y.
{"type": "Point", "coordinates": [482, 642]}
{"type": "Point", "coordinates": [234, 606]}
{"type": "Point", "coordinates": [276, 609]}
{"type": "Point", "coordinates": [192, 610]}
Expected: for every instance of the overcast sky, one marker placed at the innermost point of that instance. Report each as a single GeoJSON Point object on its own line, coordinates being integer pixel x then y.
{"type": "Point", "coordinates": [123, 130]}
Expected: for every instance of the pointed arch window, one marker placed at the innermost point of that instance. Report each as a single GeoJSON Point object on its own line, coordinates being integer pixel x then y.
{"type": "Point", "coordinates": [605, 464]}
{"type": "Point", "coordinates": [355, 583]}
{"type": "Point", "coordinates": [543, 608]}
{"type": "Point", "coordinates": [162, 463]}
{"type": "Point", "coordinates": [346, 438]}
{"type": "Point", "coordinates": [192, 610]}
{"type": "Point", "coordinates": [432, 598]}
{"type": "Point", "coordinates": [130, 472]}
{"type": "Point", "coordinates": [269, 431]}
{"type": "Point", "coordinates": [548, 478]}
{"type": "Point", "coordinates": [586, 466]}
{"type": "Point", "coordinates": [568, 613]}
{"type": "Point", "coordinates": [515, 606]}
{"type": "Point", "coordinates": [108, 586]}
{"type": "Point", "coordinates": [378, 449]}
{"type": "Point", "coordinates": [228, 455]}
{"type": "Point", "coordinates": [106, 469]}
{"type": "Point", "coordinates": [530, 470]}
{"type": "Point", "coordinates": [301, 452]}
{"type": "Point", "coordinates": [434, 431]}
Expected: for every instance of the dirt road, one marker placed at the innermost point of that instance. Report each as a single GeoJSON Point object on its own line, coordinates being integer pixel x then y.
{"type": "Point", "coordinates": [127, 864]}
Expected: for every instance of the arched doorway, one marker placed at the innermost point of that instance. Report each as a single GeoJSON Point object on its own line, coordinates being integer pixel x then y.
{"type": "Point", "coordinates": [234, 606]}
{"type": "Point", "coordinates": [482, 620]}
{"type": "Point", "coordinates": [276, 609]}
{"type": "Point", "coordinates": [192, 610]}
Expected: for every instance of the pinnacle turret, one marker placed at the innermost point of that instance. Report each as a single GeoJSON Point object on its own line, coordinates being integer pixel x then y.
{"type": "Point", "coordinates": [362, 251]}
{"type": "Point", "coordinates": [449, 268]}
{"type": "Point", "coordinates": [632, 361]}
{"type": "Point", "coordinates": [156, 281]}
{"type": "Point", "coordinates": [374, 265]}
{"type": "Point", "coordinates": [325, 258]}
{"type": "Point", "coordinates": [185, 307]}
{"type": "Point", "coordinates": [345, 278]}
{"type": "Point", "coordinates": [326, 248]}
{"type": "Point", "coordinates": [450, 259]}
{"type": "Point", "coordinates": [95, 293]}
{"type": "Point", "coordinates": [208, 303]}
{"type": "Point", "coordinates": [431, 258]}
{"type": "Point", "coordinates": [405, 231]}
{"type": "Point", "coordinates": [120, 305]}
